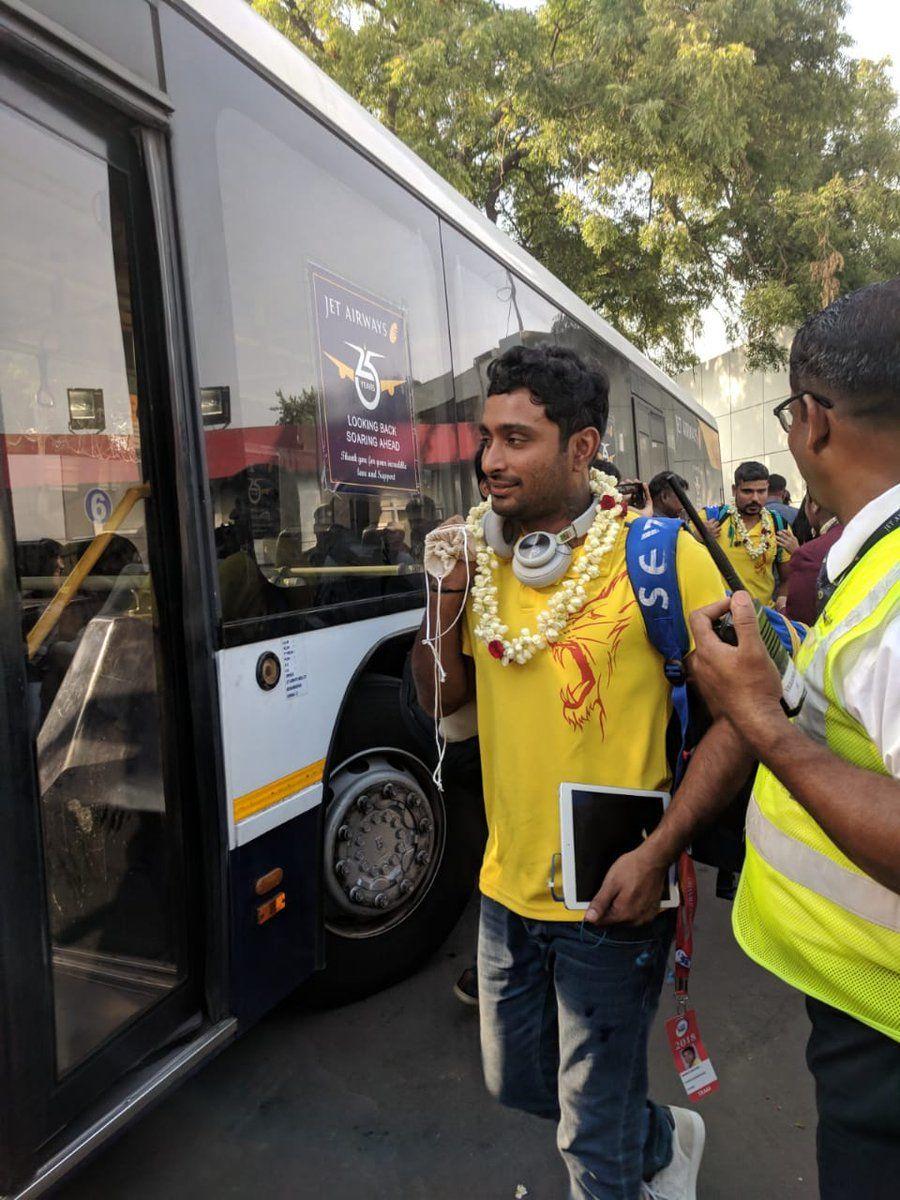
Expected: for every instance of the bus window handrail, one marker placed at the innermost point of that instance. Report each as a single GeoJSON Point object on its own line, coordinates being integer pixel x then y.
{"type": "Point", "coordinates": [93, 583]}
{"type": "Point", "coordinates": [47, 621]}
{"type": "Point", "coordinates": [392, 569]}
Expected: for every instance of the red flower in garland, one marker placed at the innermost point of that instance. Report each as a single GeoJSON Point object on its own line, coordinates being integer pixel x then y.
{"type": "Point", "coordinates": [495, 648]}
{"type": "Point", "coordinates": [607, 502]}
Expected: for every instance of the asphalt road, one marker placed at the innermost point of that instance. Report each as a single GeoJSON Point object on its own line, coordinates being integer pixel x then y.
{"type": "Point", "coordinates": [384, 1099]}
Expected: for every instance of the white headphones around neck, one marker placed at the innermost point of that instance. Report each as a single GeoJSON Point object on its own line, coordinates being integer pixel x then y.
{"type": "Point", "coordinates": [539, 558]}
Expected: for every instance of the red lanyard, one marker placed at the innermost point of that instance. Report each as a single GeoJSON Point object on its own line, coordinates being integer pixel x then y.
{"type": "Point", "coordinates": [684, 928]}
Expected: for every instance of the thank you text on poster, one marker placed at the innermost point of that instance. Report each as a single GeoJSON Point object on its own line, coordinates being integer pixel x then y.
{"type": "Point", "coordinates": [369, 433]}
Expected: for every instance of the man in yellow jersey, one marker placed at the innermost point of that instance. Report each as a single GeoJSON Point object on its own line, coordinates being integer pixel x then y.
{"type": "Point", "coordinates": [752, 536]}
{"type": "Point", "coordinates": [565, 1009]}
{"type": "Point", "coordinates": [819, 898]}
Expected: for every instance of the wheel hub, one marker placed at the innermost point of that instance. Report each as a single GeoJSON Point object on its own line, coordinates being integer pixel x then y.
{"type": "Point", "coordinates": [380, 837]}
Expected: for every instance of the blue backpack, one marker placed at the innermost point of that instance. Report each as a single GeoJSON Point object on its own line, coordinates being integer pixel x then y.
{"type": "Point", "coordinates": [650, 558]}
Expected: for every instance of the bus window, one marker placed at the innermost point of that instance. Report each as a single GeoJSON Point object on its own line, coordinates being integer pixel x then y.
{"type": "Point", "coordinates": [491, 309]}
{"type": "Point", "coordinates": [650, 428]}
{"type": "Point", "coordinates": [336, 450]}
{"type": "Point", "coordinates": [618, 437]}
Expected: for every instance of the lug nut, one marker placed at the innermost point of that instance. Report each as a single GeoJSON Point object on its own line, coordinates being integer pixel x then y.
{"type": "Point", "coordinates": [362, 803]}
{"type": "Point", "coordinates": [342, 868]}
{"type": "Point", "coordinates": [344, 833]}
{"type": "Point", "coordinates": [357, 895]}
{"type": "Point", "coordinates": [389, 791]}
{"type": "Point", "coordinates": [405, 887]}
{"type": "Point", "coordinates": [381, 900]}
{"type": "Point", "coordinates": [424, 825]}
{"type": "Point", "coordinates": [422, 859]}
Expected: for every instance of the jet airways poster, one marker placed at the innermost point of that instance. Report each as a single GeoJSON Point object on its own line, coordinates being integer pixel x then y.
{"type": "Point", "coordinates": [366, 397]}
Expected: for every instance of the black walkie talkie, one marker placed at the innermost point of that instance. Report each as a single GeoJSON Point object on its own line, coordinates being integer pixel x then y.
{"type": "Point", "coordinates": [793, 689]}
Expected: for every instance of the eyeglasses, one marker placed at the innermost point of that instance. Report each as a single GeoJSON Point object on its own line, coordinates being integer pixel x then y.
{"type": "Point", "coordinates": [783, 411]}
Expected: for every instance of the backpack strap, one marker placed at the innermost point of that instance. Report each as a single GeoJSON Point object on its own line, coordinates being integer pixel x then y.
{"type": "Point", "coordinates": [780, 523]}
{"type": "Point", "coordinates": [790, 633]}
{"type": "Point", "coordinates": [650, 558]}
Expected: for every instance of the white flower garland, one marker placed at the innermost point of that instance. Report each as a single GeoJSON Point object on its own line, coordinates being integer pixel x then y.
{"type": "Point", "coordinates": [742, 534]}
{"type": "Point", "coordinates": [569, 596]}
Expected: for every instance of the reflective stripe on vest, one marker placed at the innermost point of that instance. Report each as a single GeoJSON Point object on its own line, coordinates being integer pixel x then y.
{"type": "Point", "coordinates": [812, 658]}
{"type": "Point", "coordinates": [858, 894]}
{"type": "Point", "coordinates": [804, 910]}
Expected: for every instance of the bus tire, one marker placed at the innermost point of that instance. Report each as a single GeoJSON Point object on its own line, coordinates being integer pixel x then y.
{"type": "Point", "coordinates": [374, 740]}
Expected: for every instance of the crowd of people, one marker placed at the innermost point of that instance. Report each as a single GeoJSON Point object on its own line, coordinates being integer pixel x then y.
{"type": "Point", "coordinates": [545, 635]}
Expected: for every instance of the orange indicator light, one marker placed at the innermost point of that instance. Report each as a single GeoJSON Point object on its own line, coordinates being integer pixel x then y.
{"type": "Point", "coordinates": [271, 908]}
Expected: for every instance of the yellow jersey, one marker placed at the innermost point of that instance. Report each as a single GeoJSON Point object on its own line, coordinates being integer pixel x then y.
{"type": "Point", "coordinates": [592, 707]}
{"type": "Point", "coordinates": [758, 573]}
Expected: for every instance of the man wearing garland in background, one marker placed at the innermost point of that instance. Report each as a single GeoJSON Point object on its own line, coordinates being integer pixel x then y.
{"type": "Point", "coordinates": [756, 541]}
{"type": "Point", "coordinates": [569, 688]}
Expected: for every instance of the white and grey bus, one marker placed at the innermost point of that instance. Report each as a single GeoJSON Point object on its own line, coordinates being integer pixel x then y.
{"type": "Point", "coordinates": [243, 333]}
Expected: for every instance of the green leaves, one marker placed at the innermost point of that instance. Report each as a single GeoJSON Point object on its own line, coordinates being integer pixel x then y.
{"type": "Point", "coordinates": [656, 155]}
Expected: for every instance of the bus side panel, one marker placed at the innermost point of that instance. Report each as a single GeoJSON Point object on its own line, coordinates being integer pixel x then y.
{"type": "Point", "coordinates": [280, 700]}
{"type": "Point", "coordinates": [280, 704]}
{"type": "Point", "coordinates": [274, 900]}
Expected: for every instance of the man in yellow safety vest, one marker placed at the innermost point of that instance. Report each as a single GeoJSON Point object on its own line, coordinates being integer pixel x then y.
{"type": "Point", "coordinates": [819, 898]}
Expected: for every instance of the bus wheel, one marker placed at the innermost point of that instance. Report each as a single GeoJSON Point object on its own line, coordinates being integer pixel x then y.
{"type": "Point", "coordinates": [399, 859]}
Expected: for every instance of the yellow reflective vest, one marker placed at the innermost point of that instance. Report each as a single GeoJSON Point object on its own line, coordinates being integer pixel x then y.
{"type": "Point", "coordinates": [803, 909]}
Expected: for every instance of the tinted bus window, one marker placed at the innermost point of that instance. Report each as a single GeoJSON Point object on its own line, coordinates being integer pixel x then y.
{"type": "Point", "coordinates": [618, 438]}
{"type": "Point", "coordinates": [491, 309]}
{"type": "Point", "coordinates": [320, 322]}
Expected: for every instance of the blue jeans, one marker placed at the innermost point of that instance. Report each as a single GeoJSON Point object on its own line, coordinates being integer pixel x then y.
{"type": "Point", "coordinates": [565, 1013]}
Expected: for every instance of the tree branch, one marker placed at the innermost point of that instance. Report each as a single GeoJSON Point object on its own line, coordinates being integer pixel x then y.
{"type": "Point", "coordinates": [299, 21]}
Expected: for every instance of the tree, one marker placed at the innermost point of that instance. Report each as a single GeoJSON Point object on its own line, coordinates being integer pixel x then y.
{"type": "Point", "coordinates": [657, 155]}
{"type": "Point", "coordinates": [296, 409]}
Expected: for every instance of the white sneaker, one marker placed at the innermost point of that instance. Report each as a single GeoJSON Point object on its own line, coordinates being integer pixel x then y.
{"type": "Point", "coordinates": [678, 1181]}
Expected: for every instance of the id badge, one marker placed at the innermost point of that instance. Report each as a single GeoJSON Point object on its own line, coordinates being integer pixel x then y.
{"type": "Point", "coordinates": [692, 1061]}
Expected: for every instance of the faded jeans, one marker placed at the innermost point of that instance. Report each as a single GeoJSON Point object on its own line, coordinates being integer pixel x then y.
{"type": "Point", "coordinates": [565, 1013]}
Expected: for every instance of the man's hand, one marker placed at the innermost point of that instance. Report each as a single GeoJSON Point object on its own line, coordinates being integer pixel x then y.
{"type": "Point", "coordinates": [457, 578]}
{"type": "Point", "coordinates": [740, 682]}
{"type": "Point", "coordinates": [786, 540]}
{"type": "Point", "coordinates": [714, 527]}
{"type": "Point", "coordinates": [631, 891]}
{"type": "Point", "coordinates": [645, 509]}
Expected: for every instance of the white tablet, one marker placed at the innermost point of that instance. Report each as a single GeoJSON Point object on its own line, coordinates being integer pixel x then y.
{"type": "Point", "coordinates": [598, 824]}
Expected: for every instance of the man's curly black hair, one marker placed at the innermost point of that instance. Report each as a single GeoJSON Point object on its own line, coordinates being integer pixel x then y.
{"type": "Point", "coordinates": [573, 394]}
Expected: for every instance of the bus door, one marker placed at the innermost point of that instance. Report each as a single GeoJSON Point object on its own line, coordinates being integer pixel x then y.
{"type": "Point", "coordinates": [650, 439]}
{"type": "Point", "coordinates": [98, 966]}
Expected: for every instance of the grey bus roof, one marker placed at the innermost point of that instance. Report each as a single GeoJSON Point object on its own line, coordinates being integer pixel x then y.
{"type": "Point", "coordinates": [258, 41]}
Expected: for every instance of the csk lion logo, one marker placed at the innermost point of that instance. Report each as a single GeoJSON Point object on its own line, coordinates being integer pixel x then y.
{"type": "Point", "coordinates": [587, 650]}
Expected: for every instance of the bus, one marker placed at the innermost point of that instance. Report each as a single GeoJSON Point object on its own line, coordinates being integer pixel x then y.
{"type": "Point", "coordinates": [243, 347]}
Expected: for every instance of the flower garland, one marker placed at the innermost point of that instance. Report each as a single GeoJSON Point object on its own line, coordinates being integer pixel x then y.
{"type": "Point", "coordinates": [571, 592]}
{"type": "Point", "coordinates": [741, 534]}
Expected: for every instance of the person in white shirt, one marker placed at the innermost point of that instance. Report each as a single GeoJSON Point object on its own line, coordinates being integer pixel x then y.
{"type": "Point", "coordinates": [819, 898]}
